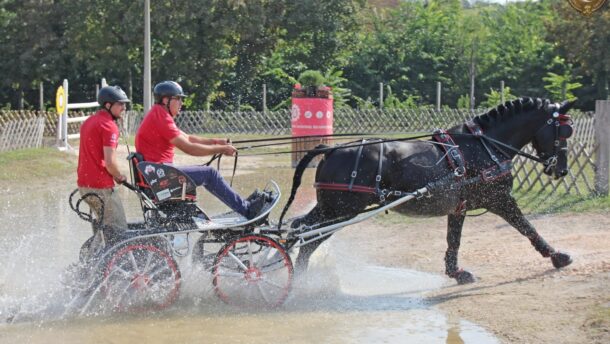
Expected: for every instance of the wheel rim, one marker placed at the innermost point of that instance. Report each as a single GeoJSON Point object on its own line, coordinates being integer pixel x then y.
{"type": "Point", "coordinates": [253, 270]}
{"type": "Point", "coordinates": [141, 278]}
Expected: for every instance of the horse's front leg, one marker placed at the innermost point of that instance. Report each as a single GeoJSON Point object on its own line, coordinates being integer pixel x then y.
{"type": "Point", "coordinates": [509, 211]}
{"type": "Point", "coordinates": [454, 235]}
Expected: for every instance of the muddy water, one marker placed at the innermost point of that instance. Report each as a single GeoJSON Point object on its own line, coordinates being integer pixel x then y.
{"type": "Point", "coordinates": [343, 299]}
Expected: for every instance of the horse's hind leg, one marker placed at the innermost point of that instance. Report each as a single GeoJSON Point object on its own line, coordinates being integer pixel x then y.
{"type": "Point", "coordinates": [454, 235]}
{"type": "Point", "coordinates": [509, 211]}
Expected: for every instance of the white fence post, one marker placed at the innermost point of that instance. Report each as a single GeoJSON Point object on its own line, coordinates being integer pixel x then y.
{"type": "Point", "coordinates": [63, 120]}
{"type": "Point", "coordinates": [62, 125]}
{"type": "Point", "coordinates": [502, 91]}
{"type": "Point", "coordinates": [40, 97]}
{"type": "Point", "coordinates": [602, 137]}
{"type": "Point", "coordinates": [438, 96]}
{"type": "Point", "coordinates": [381, 96]}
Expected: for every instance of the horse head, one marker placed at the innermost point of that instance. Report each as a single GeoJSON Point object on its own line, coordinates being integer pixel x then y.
{"type": "Point", "coordinates": [550, 141]}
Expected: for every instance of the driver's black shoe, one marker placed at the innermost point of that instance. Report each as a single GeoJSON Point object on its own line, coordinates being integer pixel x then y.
{"type": "Point", "coordinates": [257, 201]}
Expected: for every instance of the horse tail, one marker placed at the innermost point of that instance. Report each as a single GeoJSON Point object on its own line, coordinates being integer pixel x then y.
{"type": "Point", "coordinates": [298, 175]}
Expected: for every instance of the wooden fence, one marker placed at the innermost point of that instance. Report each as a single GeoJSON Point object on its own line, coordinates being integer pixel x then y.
{"type": "Point", "coordinates": [19, 134]}
{"type": "Point", "coordinates": [589, 148]}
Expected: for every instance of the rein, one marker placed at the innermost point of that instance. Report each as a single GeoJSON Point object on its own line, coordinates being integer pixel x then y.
{"type": "Point", "coordinates": [343, 146]}
{"type": "Point", "coordinates": [557, 120]}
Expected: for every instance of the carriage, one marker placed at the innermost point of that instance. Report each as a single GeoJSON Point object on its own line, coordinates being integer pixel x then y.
{"type": "Point", "coordinates": [253, 266]}
{"type": "Point", "coordinates": [139, 271]}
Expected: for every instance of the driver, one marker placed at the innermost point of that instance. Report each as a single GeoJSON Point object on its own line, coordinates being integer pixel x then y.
{"type": "Point", "coordinates": [158, 135]}
{"type": "Point", "coordinates": [98, 169]}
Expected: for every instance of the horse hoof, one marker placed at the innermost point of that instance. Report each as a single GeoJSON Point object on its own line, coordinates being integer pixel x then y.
{"type": "Point", "coordinates": [463, 277]}
{"type": "Point", "coordinates": [560, 259]}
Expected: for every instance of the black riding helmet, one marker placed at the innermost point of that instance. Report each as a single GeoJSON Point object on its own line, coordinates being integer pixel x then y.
{"type": "Point", "coordinates": [167, 89]}
{"type": "Point", "coordinates": [111, 94]}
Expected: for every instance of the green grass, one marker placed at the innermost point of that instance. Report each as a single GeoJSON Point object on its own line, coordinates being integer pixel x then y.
{"type": "Point", "coordinates": [27, 165]}
{"type": "Point", "coordinates": [542, 203]}
{"type": "Point", "coordinates": [533, 199]}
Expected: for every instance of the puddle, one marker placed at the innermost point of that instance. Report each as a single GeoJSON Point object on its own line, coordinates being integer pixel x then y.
{"type": "Point", "coordinates": [341, 300]}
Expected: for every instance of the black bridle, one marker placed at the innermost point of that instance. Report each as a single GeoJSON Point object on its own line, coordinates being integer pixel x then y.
{"type": "Point", "coordinates": [563, 130]}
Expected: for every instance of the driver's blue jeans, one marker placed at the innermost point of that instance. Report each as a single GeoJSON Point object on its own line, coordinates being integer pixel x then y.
{"type": "Point", "coordinates": [210, 179]}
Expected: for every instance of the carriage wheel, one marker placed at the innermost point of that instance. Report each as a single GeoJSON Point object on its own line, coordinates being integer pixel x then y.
{"type": "Point", "coordinates": [141, 277]}
{"type": "Point", "coordinates": [253, 270]}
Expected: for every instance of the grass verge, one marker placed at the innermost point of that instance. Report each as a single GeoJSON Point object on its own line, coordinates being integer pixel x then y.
{"type": "Point", "coordinates": [28, 165]}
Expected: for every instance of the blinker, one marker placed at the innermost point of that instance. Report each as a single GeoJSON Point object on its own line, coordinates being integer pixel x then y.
{"type": "Point", "coordinates": [565, 131]}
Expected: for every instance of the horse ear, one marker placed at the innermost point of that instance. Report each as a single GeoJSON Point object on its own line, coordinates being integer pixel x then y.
{"type": "Point", "coordinates": [565, 106]}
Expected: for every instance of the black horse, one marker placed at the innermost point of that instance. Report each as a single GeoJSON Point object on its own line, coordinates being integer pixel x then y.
{"type": "Point", "coordinates": [467, 167]}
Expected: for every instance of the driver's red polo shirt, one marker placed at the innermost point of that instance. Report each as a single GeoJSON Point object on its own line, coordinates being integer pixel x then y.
{"type": "Point", "coordinates": [97, 132]}
{"type": "Point", "coordinates": [154, 135]}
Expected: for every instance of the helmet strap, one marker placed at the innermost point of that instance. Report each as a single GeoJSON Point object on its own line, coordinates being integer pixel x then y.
{"type": "Point", "coordinates": [114, 118]}
{"type": "Point", "coordinates": [169, 100]}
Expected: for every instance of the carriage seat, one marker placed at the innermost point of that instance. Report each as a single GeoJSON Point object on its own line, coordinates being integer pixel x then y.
{"type": "Point", "coordinates": [171, 190]}
{"type": "Point", "coordinates": [161, 183]}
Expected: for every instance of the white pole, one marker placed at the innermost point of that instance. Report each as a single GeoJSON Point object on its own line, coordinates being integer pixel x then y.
{"type": "Point", "coordinates": [64, 117]}
{"type": "Point", "coordinates": [41, 97]}
{"type": "Point", "coordinates": [381, 95]}
{"type": "Point", "coordinates": [472, 74]}
{"type": "Point", "coordinates": [264, 97]}
{"type": "Point", "coordinates": [438, 96]}
{"type": "Point", "coordinates": [147, 82]}
{"type": "Point", "coordinates": [602, 138]}
{"type": "Point", "coordinates": [502, 91]}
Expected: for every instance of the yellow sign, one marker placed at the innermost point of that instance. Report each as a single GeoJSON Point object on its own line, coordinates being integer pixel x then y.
{"type": "Point", "coordinates": [60, 100]}
{"type": "Point", "coordinates": [587, 7]}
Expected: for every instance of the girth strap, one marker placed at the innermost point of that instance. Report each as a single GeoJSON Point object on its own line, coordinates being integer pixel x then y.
{"type": "Point", "coordinates": [379, 165]}
{"type": "Point", "coordinates": [355, 170]}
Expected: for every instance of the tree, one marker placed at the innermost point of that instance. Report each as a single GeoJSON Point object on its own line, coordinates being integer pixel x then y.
{"type": "Point", "coordinates": [516, 50]}
{"type": "Point", "coordinates": [30, 45]}
{"type": "Point", "coordinates": [561, 85]}
{"type": "Point", "coordinates": [256, 30]}
{"type": "Point", "coordinates": [409, 48]}
{"type": "Point", "coordinates": [317, 35]}
{"type": "Point", "coordinates": [584, 42]}
{"type": "Point", "coordinates": [494, 97]}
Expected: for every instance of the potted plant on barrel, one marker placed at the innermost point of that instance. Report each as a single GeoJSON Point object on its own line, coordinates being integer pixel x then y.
{"type": "Point", "coordinates": [311, 85]}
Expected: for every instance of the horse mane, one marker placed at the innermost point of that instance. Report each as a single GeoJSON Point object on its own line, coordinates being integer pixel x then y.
{"type": "Point", "coordinates": [511, 108]}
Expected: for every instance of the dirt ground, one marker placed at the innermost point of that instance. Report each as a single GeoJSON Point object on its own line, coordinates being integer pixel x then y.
{"type": "Point", "coordinates": [518, 296]}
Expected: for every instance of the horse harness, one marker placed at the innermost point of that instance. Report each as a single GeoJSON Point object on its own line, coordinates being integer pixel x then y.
{"type": "Point", "coordinates": [454, 180]}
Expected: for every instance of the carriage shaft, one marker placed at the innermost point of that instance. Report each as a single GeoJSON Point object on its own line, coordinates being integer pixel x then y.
{"type": "Point", "coordinates": [308, 236]}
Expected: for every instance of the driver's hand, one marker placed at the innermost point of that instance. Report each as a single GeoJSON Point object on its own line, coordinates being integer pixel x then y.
{"type": "Point", "coordinates": [229, 150]}
{"type": "Point", "coordinates": [121, 178]}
